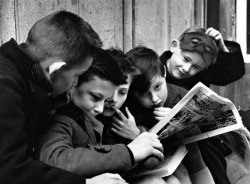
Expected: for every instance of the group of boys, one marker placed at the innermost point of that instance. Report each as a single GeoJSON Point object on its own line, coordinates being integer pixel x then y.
{"type": "Point", "coordinates": [48, 64]}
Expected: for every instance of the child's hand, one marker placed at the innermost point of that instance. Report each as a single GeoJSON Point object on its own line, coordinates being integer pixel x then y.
{"type": "Point", "coordinates": [123, 126]}
{"type": "Point", "coordinates": [161, 112]}
{"type": "Point", "coordinates": [145, 145]}
{"type": "Point", "coordinates": [218, 38]}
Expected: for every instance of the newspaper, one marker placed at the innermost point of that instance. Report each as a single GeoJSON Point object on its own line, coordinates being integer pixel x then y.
{"type": "Point", "coordinates": [200, 114]}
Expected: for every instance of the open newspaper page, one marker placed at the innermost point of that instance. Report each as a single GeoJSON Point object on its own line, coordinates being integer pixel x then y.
{"type": "Point", "coordinates": [199, 115]}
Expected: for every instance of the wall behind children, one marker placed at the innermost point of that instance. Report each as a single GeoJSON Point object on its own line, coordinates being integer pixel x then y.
{"type": "Point", "coordinates": [128, 23]}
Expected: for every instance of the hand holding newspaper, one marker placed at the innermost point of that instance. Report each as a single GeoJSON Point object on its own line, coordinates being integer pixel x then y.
{"type": "Point", "coordinates": [199, 115]}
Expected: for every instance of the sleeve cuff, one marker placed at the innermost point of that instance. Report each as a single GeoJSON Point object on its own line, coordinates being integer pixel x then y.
{"type": "Point", "coordinates": [131, 156]}
{"type": "Point", "coordinates": [142, 129]}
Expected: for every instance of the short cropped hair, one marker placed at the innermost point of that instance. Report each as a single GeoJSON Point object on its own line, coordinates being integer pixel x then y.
{"type": "Point", "coordinates": [104, 67]}
{"type": "Point", "coordinates": [126, 66]}
{"type": "Point", "coordinates": [148, 62]}
{"type": "Point", "coordinates": [64, 35]}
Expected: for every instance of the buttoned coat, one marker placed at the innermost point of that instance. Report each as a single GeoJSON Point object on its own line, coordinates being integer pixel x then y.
{"type": "Point", "coordinates": [73, 142]}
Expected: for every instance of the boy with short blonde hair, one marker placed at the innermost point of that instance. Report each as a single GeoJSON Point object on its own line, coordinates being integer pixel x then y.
{"type": "Point", "coordinates": [200, 55]}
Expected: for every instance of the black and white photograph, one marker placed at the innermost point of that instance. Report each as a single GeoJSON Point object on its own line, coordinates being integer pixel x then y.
{"type": "Point", "coordinates": [95, 91]}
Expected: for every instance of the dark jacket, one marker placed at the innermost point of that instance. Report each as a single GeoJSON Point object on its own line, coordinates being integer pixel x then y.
{"type": "Point", "coordinates": [228, 68]}
{"type": "Point", "coordinates": [23, 111]}
{"type": "Point", "coordinates": [73, 142]}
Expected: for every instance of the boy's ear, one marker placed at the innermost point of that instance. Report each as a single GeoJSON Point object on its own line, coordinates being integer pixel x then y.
{"type": "Point", "coordinates": [165, 71]}
{"type": "Point", "coordinates": [55, 66]}
{"type": "Point", "coordinates": [174, 45]}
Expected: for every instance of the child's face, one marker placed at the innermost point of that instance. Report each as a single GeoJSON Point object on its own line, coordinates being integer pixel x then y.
{"type": "Point", "coordinates": [185, 64]}
{"type": "Point", "coordinates": [91, 95]}
{"type": "Point", "coordinates": [118, 98]}
{"type": "Point", "coordinates": [64, 79]}
{"type": "Point", "coordinates": [156, 96]}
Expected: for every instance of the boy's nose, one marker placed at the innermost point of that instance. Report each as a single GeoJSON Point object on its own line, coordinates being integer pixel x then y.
{"type": "Point", "coordinates": [99, 108]}
{"type": "Point", "coordinates": [186, 67]}
{"type": "Point", "coordinates": [154, 98]}
{"type": "Point", "coordinates": [115, 97]}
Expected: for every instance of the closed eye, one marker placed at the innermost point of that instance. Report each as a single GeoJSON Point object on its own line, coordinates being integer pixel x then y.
{"type": "Point", "coordinates": [197, 67]}
{"type": "Point", "coordinates": [123, 91]}
{"type": "Point", "coordinates": [96, 97]}
{"type": "Point", "coordinates": [187, 59]}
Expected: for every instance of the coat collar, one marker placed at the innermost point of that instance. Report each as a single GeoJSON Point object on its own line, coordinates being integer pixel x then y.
{"type": "Point", "coordinates": [29, 69]}
{"type": "Point", "coordinates": [175, 94]}
{"type": "Point", "coordinates": [14, 52]}
{"type": "Point", "coordinates": [87, 121]}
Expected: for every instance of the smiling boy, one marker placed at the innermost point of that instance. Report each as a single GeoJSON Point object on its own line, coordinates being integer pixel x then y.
{"type": "Point", "coordinates": [200, 55]}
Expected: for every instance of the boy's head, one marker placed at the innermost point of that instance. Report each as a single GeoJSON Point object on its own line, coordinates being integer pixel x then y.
{"type": "Point", "coordinates": [129, 71]}
{"type": "Point", "coordinates": [62, 40]}
{"type": "Point", "coordinates": [149, 89]}
{"type": "Point", "coordinates": [193, 52]}
{"type": "Point", "coordinates": [98, 83]}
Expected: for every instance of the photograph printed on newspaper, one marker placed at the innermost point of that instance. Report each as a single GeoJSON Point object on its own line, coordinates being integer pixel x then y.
{"type": "Point", "coordinates": [199, 115]}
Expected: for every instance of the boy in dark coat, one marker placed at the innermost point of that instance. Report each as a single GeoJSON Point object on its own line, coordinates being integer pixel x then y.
{"type": "Point", "coordinates": [49, 62]}
{"type": "Point", "coordinates": [201, 55]}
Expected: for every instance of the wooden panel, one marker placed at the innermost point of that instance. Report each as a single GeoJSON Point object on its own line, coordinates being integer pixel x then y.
{"type": "Point", "coordinates": [181, 18]}
{"type": "Point", "coordinates": [151, 24]}
{"type": "Point", "coordinates": [106, 17]}
{"type": "Point", "coordinates": [199, 13]}
{"type": "Point", "coordinates": [28, 12]}
{"type": "Point", "coordinates": [227, 12]}
{"type": "Point", "coordinates": [242, 90]}
{"type": "Point", "coordinates": [7, 21]}
{"type": "Point", "coordinates": [158, 22]}
{"type": "Point", "coordinates": [128, 8]}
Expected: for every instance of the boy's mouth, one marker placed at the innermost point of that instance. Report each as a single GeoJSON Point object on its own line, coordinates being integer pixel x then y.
{"type": "Point", "coordinates": [182, 74]}
{"type": "Point", "coordinates": [160, 104]}
{"type": "Point", "coordinates": [110, 108]}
